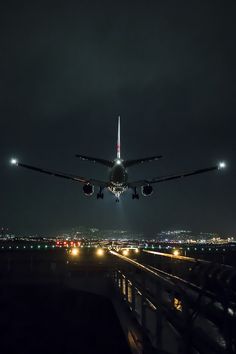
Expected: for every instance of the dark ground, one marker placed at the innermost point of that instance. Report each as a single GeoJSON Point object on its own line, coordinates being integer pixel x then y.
{"type": "Point", "coordinates": [49, 318]}
{"type": "Point", "coordinates": [39, 314]}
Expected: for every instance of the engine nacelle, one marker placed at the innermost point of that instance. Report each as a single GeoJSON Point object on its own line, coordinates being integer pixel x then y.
{"type": "Point", "coordinates": [88, 189]}
{"type": "Point", "coordinates": [147, 190]}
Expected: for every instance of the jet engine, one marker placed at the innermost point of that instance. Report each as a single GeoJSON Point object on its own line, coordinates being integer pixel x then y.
{"type": "Point", "coordinates": [88, 189]}
{"type": "Point", "coordinates": [146, 190]}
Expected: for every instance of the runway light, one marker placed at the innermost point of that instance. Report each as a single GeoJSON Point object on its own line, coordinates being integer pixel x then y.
{"type": "Point", "coordinates": [221, 165]}
{"type": "Point", "coordinates": [176, 253]}
{"type": "Point", "coordinates": [74, 252]}
{"type": "Point", "coordinates": [100, 252]}
{"type": "Point", "coordinates": [125, 252]}
{"type": "Point", "coordinates": [14, 161]}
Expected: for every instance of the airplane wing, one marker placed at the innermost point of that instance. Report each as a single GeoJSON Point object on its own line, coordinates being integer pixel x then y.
{"type": "Point", "coordinates": [63, 175]}
{"type": "Point", "coordinates": [95, 160]}
{"type": "Point", "coordinates": [171, 177]}
{"type": "Point", "coordinates": [129, 163]}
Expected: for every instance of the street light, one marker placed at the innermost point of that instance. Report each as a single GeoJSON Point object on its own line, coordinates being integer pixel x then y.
{"type": "Point", "coordinates": [176, 253]}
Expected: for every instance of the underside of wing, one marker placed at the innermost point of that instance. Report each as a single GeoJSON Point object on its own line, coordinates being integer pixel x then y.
{"type": "Point", "coordinates": [129, 163]}
{"type": "Point", "coordinates": [95, 160]}
{"type": "Point", "coordinates": [63, 175]}
{"type": "Point", "coordinates": [171, 177]}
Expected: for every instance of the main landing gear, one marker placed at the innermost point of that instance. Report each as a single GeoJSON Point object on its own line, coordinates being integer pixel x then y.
{"type": "Point", "coordinates": [100, 195]}
{"type": "Point", "coordinates": [135, 195]}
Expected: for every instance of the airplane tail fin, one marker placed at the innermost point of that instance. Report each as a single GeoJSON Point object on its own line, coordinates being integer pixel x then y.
{"type": "Point", "coordinates": [118, 140]}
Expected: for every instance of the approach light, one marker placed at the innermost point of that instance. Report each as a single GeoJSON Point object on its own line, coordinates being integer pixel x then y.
{"type": "Point", "coordinates": [74, 252]}
{"type": "Point", "coordinates": [14, 161]}
{"type": "Point", "coordinates": [100, 252]}
{"type": "Point", "coordinates": [221, 165]}
{"type": "Point", "coordinates": [176, 253]}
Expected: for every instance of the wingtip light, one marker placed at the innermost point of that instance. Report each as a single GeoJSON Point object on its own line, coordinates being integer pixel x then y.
{"type": "Point", "coordinates": [14, 161]}
{"type": "Point", "coordinates": [221, 165]}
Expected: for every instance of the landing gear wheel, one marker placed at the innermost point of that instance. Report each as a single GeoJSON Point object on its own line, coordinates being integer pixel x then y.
{"type": "Point", "coordinates": [117, 200]}
{"type": "Point", "coordinates": [100, 196]}
{"type": "Point", "coordinates": [135, 195]}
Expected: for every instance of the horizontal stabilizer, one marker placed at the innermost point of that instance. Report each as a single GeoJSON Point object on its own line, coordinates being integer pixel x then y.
{"type": "Point", "coordinates": [95, 160]}
{"type": "Point", "coordinates": [129, 163]}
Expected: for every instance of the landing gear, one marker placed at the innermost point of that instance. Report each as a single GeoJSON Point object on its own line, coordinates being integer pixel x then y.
{"type": "Point", "coordinates": [135, 195]}
{"type": "Point", "coordinates": [117, 200]}
{"type": "Point", "coordinates": [100, 194]}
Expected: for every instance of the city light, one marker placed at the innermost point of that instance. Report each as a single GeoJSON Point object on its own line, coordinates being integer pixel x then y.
{"type": "Point", "coordinates": [125, 252]}
{"type": "Point", "coordinates": [136, 250]}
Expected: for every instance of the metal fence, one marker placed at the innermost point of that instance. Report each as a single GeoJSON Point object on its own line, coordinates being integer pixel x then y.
{"type": "Point", "coordinates": [177, 316]}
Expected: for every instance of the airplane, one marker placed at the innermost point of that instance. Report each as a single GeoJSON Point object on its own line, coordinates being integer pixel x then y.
{"type": "Point", "coordinates": [118, 181]}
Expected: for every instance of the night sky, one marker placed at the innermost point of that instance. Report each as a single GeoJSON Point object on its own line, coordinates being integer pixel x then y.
{"type": "Point", "coordinates": [68, 69]}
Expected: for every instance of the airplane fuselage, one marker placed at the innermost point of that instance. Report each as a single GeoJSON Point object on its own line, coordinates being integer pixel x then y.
{"type": "Point", "coordinates": [118, 178]}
